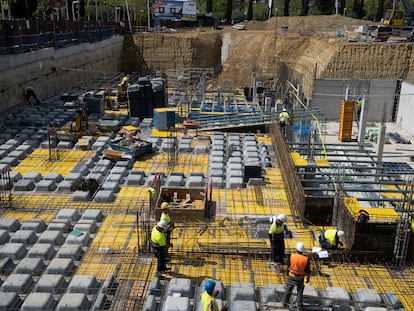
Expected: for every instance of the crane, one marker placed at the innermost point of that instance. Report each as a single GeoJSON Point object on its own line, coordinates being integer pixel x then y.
{"type": "Point", "coordinates": [400, 17]}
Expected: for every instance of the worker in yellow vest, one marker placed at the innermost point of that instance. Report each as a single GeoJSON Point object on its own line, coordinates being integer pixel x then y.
{"type": "Point", "coordinates": [158, 244]}
{"type": "Point", "coordinates": [329, 239]}
{"type": "Point", "coordinates": [208, 297]}
{"type": "Point", "coordinates": [283, 120]}
{"type": "Point", "coordinates": [277, 232]}
{"type": "Point", "coordinates": [165, 215]}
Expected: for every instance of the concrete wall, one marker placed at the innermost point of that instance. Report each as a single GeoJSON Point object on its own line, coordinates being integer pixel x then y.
{"type": "Point", "coordinates": [52, 71]}
{"type": "Point", "coordinates": [328, 94]}
{"type": "Point", "coordinates": [406, 108]}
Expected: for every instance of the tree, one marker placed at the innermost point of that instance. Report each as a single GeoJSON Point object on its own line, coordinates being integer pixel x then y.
{"type": "Point", "coordinates": [286, 8]}
{"type": "Point", "coordinates": [305, 7]}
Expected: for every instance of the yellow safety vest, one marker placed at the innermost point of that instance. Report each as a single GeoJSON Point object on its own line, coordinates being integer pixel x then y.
{"type": "Point", "coordinates": [276, 229]}
{"type": "Point", "coordinates": [330, 236]}
{"type": "Point", "coordinates": [157, 237]}
{"type": "Point", "coordinates": [165, 217]}
{"type": "Point", "coordinates": [283, 116]}
{"type": "Point", "coordinates": [208, 302]}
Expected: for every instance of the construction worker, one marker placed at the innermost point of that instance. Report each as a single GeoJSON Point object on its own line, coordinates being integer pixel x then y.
{"type": "Point", "coordinates": [124, 84]}
{"type": "Point", "coordinates": [28, 92]}
{"type": "Point", "coordinates": [358, 103]}
{"type": "Point", "coordinates": [298, 269]}
{"type": "Point", "coordinates": [277, 232]}
{"type": "Point", "coordinates": [329, 239]}
{"type": "Point", "coordinates": [208, 297]}
{"type": "Point", "coordinates": [158, 244]}
{"type": "Point", "coordinates": [283, 120]}
{"type": "Point", "coordinates": [167, 218]}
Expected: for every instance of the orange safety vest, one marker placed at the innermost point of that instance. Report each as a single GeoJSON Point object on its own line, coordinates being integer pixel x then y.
{"type": "Point", "coordinates": [298, 263]}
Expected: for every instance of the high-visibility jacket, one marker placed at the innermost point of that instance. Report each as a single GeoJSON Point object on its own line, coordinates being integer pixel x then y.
{"type": "Point", "coordinates": [166, 217]}
{"type": "Point", "coordinates": [283, 116]}
{"type": "Point", "coordinates": [299, 265]}
{"type": "Point", "coordinates": [359, 103]}
{"type": "Point", "coordinates": [158, 237]}
{"type": "Point", "coordinates": [208, 302]}
{"type": "Point", "coordinates": [330, 236]}
{"type": "Point", "coordinates": [277, 231]}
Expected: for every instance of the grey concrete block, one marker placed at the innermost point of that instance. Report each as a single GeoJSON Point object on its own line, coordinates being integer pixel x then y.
{"type": "Point", "coordinates": [73, 302]}
{"type": "Point", "coordinates": [51, 283]}
{"type": "Point", "coordinates": [70, 214]}
{"type": "Point", "coordinates": [18, 283]}
{"type": "Point", "coordinates": [36, 177]}
{"type": "Point", "coordinates": [92, 214]}
{"type": "Point", "coordinates": [4, 236]}
{"type": "Point", "coordinates": [10, 161]}
{"type": "Point", "coordinates": [38, 301]}
{"type": "Point", "coordinates": [24, 185]}
{"type": "Point", "coordinates": [46, 185]}
{"type": "Point", "coordinates": [81, 196]}
{"type": "Point", "coordinates": [115, 177]}
{"type": "Point", "coordinates": [83, 284]}
{"type": "Point", "coordinates": [217, 181]}
{"type": "Point", "coordinates": [32, 266]}
{"type": "Point", "coordinates": [272, 293]}
{"type": "Point", "coordinates": [65, 186]}
{"type": "Point", "coordinates": [72, 251]}
{"type": "Point", "coordinates": [55, 238]}
{"type": "Point", "coordinates": [6, 266]}
{"type": "Point", "coordinates": [61, 266]}
{"type": "Point", "coordinates": [35, 224]}
{"type": "Point", "coordinates": [242, 305]}
{"type": "Point", "coordinates": [180, 285]}
{"type": "Point", "coordinates": [73, 176]}
{"type": "Point", "coordinates": [201, 149]}
{"type": "Point", "coordinates": [10, 301]}
{"type": "Point", "coordinates": [135, 180]}
{"type": "Point", "coordinates": [150, 303]}
{"type": "Point", "coordinates": [15, 251]}
{"type": "Point", "coordinates": [242, 291]}
{"type": "Point", "coordinates": [194, 181]}
{"type": "Point", "coordinates": [15, 176]}
{"type": "Point", "coordinates": [174, 181]}
{"type": "Point", "coordinates": [18, 154]}
{"type": "Point", "coordinates": [111, 185]}
{"type": "Point", "coordinates": [44, 251]}
{"type": "Point", "coordinates": [234, 183]}
{"type": "Point", "coordinates": [83, 239]}
{"type": "Point", "coordinates": [123, 171]}
{"type": "Point", "coordinates": [177, 303]}
{"type": "Point", "coordinates": [56, 177]}
{"type": "Point", "coordinates": [86, 226]}
{"type": "Point", "coordinates": [104, 196]}
{"type": "Point", "coordinates": [27, 237]}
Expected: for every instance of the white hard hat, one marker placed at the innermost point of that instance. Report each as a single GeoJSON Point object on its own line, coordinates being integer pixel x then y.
{"type": "Point", "coordinates": [281, 217]}
{"type": "Point", "coordinates": [340, 233]}
{"type": "Point", "coordinates": [300, 247]}
{"type": "Point", "coordinates": [284, 109]}
{"type": "Point", "coordinates": [273, 218]}
{"type": "Point", "coordinates": [162, 224]}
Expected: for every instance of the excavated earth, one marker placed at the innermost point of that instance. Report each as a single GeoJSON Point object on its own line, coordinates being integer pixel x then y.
{"type": "Point", "coordinates": [301, 48]}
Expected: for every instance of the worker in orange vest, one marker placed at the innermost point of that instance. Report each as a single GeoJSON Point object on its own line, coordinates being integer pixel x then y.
{"type": "Point", "coordinates": [298, 270]}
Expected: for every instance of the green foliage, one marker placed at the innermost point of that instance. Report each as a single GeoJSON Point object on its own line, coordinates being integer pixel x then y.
{"type": "Point", "coordinates": [260, 11]}
{"type": "Point", "coordinates": [219, 8]}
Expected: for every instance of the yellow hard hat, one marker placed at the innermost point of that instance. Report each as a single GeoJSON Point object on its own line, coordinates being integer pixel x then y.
{"type": "Point", "coordinates": [164, 205]}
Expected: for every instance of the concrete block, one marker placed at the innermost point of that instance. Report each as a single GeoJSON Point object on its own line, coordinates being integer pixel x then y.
{"type": "Point", "coordinates": [174, 181]}
{"type": "Point", "coordinates": [35, 224]}
{"type": "Point", "coordinates": [36, 177]}
{"type": "Point", "coordinates": [201, 149]}
{"type": "Point", "coordinates": [182, 286]}
{"type": "Point", "coordinates": [83, 284]}
{"type": "Point", "coordinates": [194, 181]}
{"type": "Point", "coordinates": [24, 185]}
{"type": "Point", "coordinates": [73, 302]}
{"type": "Point", "coordinates": [10, 224]}
{"type": "Point", "coordinates": [336, 293]}
{"type": "Point", "coordinates": [15, 176]}
{"type": "Point", "coordinates": [367, 297]}
{"type": "Point", "coordinates": [32, 266]}
{"type": "Point", "coordinates": [81, 238]}
{"type": "Point", "coordinates": [70, 214]}
{"type": "Point", "coordinates": [81, 196]}
{"type": "Point", "coordinates": [104, 196]}
{"type": "Point", "coordinates": [234, 183]}
{"type": "Point", "coordinates": [10, 161]}
{"type": "Point", "coordinates": [92, 214]}
{"type": "Point", "coordinates": [217, 181]}
{"type": "Point", "coordinates": [72, 251]}
{"type": "Point", "coordinates": [15, 251]}
{"type": "Point", "coordinates": [86, 226]}
{"type": "Point", "coordinates": [18, 154]}
{"type": "Point", "coordinates": [111, 185]}
{"type": "Point", "coordinates": [18, 283]}
{"type": "Point", "coordinates": [242, 291]}
{"type": "Point", "coordinates": [65, 186]}
{"type": "Point", "coordinates": [56, 177]}
{"type": "Point", "coordinates": [61, 266]}
{"type": "Point", "coordinates": [61, 225]}
{"type": "Point", "coordinates": [73, 176]}
{"type": "Point", "coordinates": [6, 266]}
{"type": "Point", "coordinates": [123, 171]}
{"type": "Point", "coordinates": [55, 238]}
{"type": "Point", "coordinates": [150, 303]}
{"type": "Point", "coordinates": [242, 305]}
{"type": "Point", "coordinates": [46, 185]}
{"type": "Point", "coordinates": [44, 251]}
{"type": "Point", "coordinates": [27, 237]}
{"type": "Point", "coordinates": [25, 148]}
{"type": "Point", "coordinates": [177, 304]}
{"type": "Point", "coordinates": [115, 177]}
{"type": "Point", "coordinates": [135, 180]}
{"type": "Point", "coordinates": [4, 236]}
{"type": "Point", "coordinates": [10, 301]}
{"type": "Point", "coordinates": [272, 293]}
{"type": "Point", "coordinates": [98, 176]}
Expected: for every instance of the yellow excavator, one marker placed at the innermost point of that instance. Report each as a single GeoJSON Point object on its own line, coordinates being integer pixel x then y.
{"type": "Point", "coordinates": [400, 17]}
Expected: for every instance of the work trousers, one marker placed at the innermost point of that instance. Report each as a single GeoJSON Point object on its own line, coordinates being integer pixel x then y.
{"type": "Point", "coordinates": [278, 250]}
{"type": "Point", "coordinates": [299, 283]}
{"type": "Point", "coordinates": [159, 253]}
